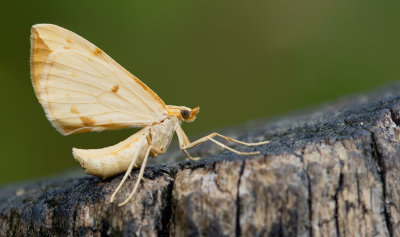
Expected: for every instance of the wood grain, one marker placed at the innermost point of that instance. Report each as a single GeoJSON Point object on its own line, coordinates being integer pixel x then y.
{"type": "Point", "coordinates": [328, 171]}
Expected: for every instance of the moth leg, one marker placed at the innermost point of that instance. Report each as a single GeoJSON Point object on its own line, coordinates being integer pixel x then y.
{"type": "Point", "coordinates": [140, 176]}
{"type": "Point", "coordinates": [214, 134]}
{"type": "Point", "coordinates": [231, 149]}
{"type": "Point", "coordinates": [185, 144]}
{"type": "Point", "coordinates": [183, 141]}
{"type": "Point", "coordinates": [127, 174]}
{"type": "Point", "coordinates": [240, 142]}
{"type": "Point", "coordinates": [189, 156]}
{"type": "Point", "coordinates": [210, 137]}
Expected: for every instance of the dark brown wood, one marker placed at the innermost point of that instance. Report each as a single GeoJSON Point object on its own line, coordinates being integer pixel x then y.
{"type": "Point", "coordinates": [330, 171]}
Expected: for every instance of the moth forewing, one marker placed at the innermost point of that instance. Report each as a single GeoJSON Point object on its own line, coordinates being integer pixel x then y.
{"type": "Point", "coordinates": [82, 89]}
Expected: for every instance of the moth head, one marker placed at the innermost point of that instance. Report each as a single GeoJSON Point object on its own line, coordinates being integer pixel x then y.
{"type": "Point", "coordinates": [183, 113]}
{"type": "Point", "coordinates": [189, 115]}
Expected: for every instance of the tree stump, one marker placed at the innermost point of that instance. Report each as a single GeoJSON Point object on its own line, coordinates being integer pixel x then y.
{"type": "Point", "coordinates": [330, 171]}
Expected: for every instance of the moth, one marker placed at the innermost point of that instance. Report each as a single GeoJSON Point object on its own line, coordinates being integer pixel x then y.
{"type": "Point", "coordinates": [82, 89]}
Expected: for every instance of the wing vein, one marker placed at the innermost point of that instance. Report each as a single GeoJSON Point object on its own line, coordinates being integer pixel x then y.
{"type": "Point", "coordinates": [85, 83]}
{"type": "Point", "coordinates": [87, 115]}
{"type": "Point", "coordinates": [80, 92]}
{"type": "Point", "coordinates": [122, 84]}
{"type": "Point", "coordinates": [75, 68]}
{"type": "Point", "coordinates": [78, 81]}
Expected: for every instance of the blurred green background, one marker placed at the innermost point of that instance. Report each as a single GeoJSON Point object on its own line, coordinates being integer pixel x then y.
{"type": "Point", "coordinates": [238, 60]}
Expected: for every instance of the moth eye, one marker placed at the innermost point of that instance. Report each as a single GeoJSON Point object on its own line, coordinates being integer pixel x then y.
{"type": "Point", "coordinates": [185, 114]}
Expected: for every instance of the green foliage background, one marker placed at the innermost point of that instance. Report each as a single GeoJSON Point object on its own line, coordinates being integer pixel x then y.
{"type": "Point", "coordinates": [238, 60]}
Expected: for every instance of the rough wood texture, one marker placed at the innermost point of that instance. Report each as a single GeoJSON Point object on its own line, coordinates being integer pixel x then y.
{"type": "Point", "coordinates": [331, 172]}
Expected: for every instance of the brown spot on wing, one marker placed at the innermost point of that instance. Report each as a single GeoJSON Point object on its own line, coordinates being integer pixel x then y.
{"type": "Point", "coordinates": [86, 121]}
{"type": "Point", "coordinates": [115, 88]}
{"type": "Point", "coordinates": [74, 110]}
{"type": "Point", "coordinates": [146, 88]}
{"type": "Point", "coordinates": [97, 52]}
{"type": "Point", "coordinates": [67, 47]}
{"type": "Point", "coordinates": [73, 74]}
{"type": "Point", "coordinates": [68, 40]}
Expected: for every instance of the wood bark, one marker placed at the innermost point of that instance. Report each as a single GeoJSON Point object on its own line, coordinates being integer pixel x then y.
{"type": "Point", "coordinates": [330, 171]}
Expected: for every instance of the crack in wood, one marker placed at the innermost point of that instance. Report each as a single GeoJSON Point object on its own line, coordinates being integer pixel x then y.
{"type": "Point", "coordinates": [310, 209]}
{"type": "Point", "coordinates": [382, 174]}
{"type": "Point", "coordinates": [338, 189]}
{"type": "Point", "coordinates": [237, 220]}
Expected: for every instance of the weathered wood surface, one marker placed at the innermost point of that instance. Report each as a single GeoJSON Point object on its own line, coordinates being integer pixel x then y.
{"type": "Point", "coordinates": [333, 171]}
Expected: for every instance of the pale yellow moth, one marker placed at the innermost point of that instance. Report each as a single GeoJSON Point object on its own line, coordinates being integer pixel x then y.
{"type": "Point", "coordinates": [82, 89]}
